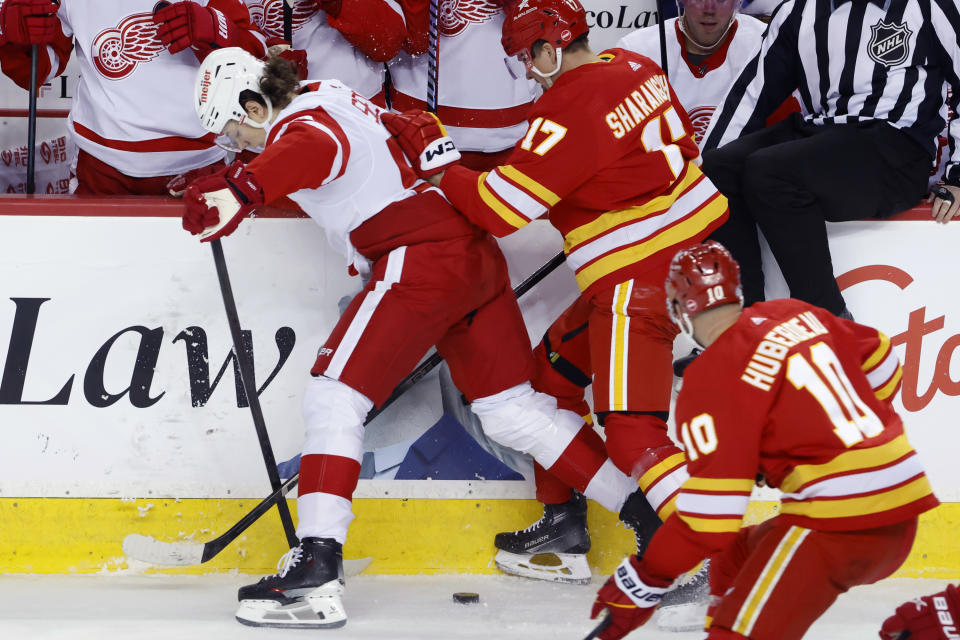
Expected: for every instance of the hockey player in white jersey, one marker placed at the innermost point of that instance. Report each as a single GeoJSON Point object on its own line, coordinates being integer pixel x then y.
{"type": "Point", "coordinates": [134, 128]}
{"type": "Point", "coordinates": [707, 47]}
{"type": "Point", "coordinates": [344, 39]}
{"type": "Point", "coordinates": [435, 279]}
{"type": "Point", "coordinates": [482, 96]}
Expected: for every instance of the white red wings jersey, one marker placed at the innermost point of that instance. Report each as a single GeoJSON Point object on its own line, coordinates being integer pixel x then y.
{"type": "Point", "coordinates": [701, 87]}
{"type": "Point", "coordinates": [483, 96]}
{"type": "Point", "coordinates": [328, 152]}
{"type": "Point", "coordinates": [609, 152]}
{"type": "Point", "coordinates": [134, 104]}
{"type": "Point", "coordinates": [802, 399]}
{"type": "Point", "coordinates": [329, 53]}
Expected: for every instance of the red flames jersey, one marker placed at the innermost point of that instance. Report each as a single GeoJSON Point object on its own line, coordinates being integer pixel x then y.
{"type": "Point", "coordinates": [609, 152]}
{"type": "Point", "coordinates": [799, 398]}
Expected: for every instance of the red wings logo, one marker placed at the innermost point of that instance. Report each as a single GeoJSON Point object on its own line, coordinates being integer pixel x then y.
{"type": "Point", "coordinates": [455, 15]}
{"type": "Point", "coordinates": [117, 52]}
{"type": "Point", "coordinates": [700, 119]}
{"type": "Point", "coordinates": [268, 15]}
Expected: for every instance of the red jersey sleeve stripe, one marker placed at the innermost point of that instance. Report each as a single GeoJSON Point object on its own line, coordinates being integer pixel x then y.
{"type": "Point", "coordinates": [320, 120]}
{"type": "Point", "coordinates": [514, 196]}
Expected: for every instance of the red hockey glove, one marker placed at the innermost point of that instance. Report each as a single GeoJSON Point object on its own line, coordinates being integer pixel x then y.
{"type": "Point", "coordinates": [216, 204]}
{"type": "Point", "coordinates": [935, 617]}
{"type": "Point", "coordinates": [187, 24]}
{"type": "Point", "coordinates": [297, 57]}
{"type": "Point", "coordinates": [423, 140]}
{"type": "Point", "coordinates": [29, 21]}
{"type": "Point", "coordinates": [631, 596]}
{"type": "Point", "coordinates": [178, 184]}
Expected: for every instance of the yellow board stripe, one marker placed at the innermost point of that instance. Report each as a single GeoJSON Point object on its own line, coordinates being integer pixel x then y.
{"type": "Point", "coordinates": [499, 207]}
{"type": "Point", "coordinates": [853, 460]}
{"type": "Point", "coordinates": [404, 536]}
{"type": "Point", "coordinates": [618, 346]}
{"type": "Point", "coordinates": [530, 184]}
{"type": "Point", "coordinates": [767, 581]}
{"type": "Point", "coordinates": [667, 238]}
{"type": "Point", "coordinates": [861, 506]}
{"type": "Point", "coordinates": [887, 390]}
{"type": "Point", "coordinates": [719, 485]}
{"type": "Point", "coordinates": [712, 525]}
{"type": "Point", "coordinates": [660, 469]}
{"type": "Point", "coordinates": [879, 354]}
{"type": "Point", "coordinates": [616, 218]}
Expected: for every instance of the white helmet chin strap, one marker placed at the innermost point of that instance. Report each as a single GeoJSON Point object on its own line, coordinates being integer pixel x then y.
{"type": "Point", "coordinates": [707, 48]}
{"type": "Point", "coordinates": [557, 69]}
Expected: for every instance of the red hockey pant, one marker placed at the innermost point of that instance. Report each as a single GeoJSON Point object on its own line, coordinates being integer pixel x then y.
{"type": "Point", "coordinates": [776, 579]}
{"type": "Point", "coordinates": [621, 341]}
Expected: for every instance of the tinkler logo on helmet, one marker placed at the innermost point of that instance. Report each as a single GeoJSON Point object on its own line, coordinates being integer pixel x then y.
{"type": "Point", "coordinates": [691, 304]}
{"type": "Point", "coordinates": [565, 35]}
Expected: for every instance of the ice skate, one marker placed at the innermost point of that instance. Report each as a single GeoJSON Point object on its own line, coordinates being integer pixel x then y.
{"type": "Point", "coordinates": [305, 593]}
{"type": "Point", "coordinates": [553, 548]}
{"type": "Point", "coordinates": [637, 514]}
{"type": "Point", "coordinates": [684, 608]}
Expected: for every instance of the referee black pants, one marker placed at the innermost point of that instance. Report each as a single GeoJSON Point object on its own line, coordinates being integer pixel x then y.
{"type": "Point", "coordinates": [790, 178]}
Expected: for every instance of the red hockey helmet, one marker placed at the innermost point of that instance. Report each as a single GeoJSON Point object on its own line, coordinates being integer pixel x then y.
{"type": "Point", "coordinates": [701, 277]}
{"type": "Point", "coordinates": [559, 22]}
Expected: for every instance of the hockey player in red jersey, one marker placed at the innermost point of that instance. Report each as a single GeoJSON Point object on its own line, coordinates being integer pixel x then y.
{"type": "Point", "coordinates": [434, 279]}
{"type": "Point", "coordinates": [344, 39]}
{"type": "Point", "coordinates": [610, 154]}
{"type": "Point", "coordinates": [790, 396]}
{"type": "Point", "coordinates": [135, 131]}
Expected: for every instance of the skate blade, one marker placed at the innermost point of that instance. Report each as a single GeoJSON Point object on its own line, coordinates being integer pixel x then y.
{"type": "Point", "coordinates": [691, 616]}
{"type": "Point", "coordinates": [569, 568]}
{"type": "Point", "coordinates": [319, 609]}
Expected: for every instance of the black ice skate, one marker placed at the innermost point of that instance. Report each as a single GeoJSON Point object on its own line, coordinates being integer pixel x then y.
{"type": "Point", "coordinates": [305, 593]}
{"type": "Point", "coordinates": [552, 548]}
{"type": "Point", "coordinates": [637, 514]}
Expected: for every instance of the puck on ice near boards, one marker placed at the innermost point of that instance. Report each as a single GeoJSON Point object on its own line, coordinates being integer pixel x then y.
{"type": "Point", "coordinates": [463, 597]}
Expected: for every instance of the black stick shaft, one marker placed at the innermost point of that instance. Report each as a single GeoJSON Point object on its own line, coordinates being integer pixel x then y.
{"type": "Point", "coordinates": [663, 38]}
{"type": "Point", "coordinates": [32, 121]}
{"type": "Point", "coordinates": [433, 60]}
{"type": "Point", "coordinates": [288, 21]}
{"type": "Point", "coordinates": [250, 388]}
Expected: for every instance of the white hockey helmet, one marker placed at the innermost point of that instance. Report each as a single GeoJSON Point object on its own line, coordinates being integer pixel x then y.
{"type": "Point", "coordinates": [223, 76]}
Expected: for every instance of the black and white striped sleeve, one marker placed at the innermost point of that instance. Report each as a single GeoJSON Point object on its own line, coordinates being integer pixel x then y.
{"type": "Point", "coordinates": [945, 19]}
{"type": "Point", "coordinates": [763, 85]}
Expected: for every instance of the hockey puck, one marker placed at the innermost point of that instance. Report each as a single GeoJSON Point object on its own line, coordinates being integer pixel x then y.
{"type": "Point", "coordinates": [462, 597]}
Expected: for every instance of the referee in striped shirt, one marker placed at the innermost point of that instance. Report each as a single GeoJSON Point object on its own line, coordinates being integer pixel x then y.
{"type": "Point", "coordinates": [872, 76]}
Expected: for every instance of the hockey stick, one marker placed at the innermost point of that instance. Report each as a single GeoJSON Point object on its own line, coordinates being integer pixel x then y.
{"type": "Point", "coordinates": [32, 121]}
{"type": "Point", "coordinates": [600, 628]}
{"type": "Point", "coordinates": [433, 59]}
{"type": "Point", "coordinates": [149, 549]}
{"type": "Point", "coordinates": [663, 39]}
{"type": "Point", "coordinates": [288, 21]}
{"type": "Point", "coordinates": [250, 388]}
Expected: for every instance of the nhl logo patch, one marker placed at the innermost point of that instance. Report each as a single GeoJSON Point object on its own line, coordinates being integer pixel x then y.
{"type": "Point", "coordinates": [889, 43]}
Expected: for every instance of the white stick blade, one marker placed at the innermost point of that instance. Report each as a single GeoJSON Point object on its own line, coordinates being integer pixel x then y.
{"type": "Point", "coordinates": [149, 549]}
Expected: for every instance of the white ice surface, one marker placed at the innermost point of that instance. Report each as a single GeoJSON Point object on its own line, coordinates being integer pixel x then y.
{"type": "Point", "coordinates": [137, 607]}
